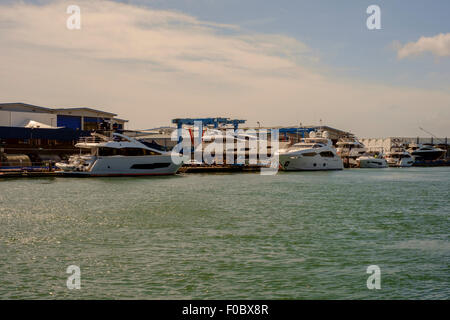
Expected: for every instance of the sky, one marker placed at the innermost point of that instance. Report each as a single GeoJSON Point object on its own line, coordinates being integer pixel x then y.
{"type": "Point", "coordinates": [280, 63]}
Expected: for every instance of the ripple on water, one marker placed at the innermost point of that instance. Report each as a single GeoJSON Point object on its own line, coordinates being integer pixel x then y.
{"type": "Point", "coordinates": [289, 236]}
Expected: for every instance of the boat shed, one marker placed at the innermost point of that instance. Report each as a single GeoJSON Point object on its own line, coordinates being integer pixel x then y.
{"type": "Point", "coordinates": [79, 118]}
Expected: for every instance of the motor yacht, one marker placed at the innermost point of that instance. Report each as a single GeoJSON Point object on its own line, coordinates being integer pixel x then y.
{"type": "Point", "coordinates": [240, 147]}
{"type": "Point", "coordinates": [399, 157]}
{"type": "Point", "coordinates": [350, 147]}
{"type": "Point", "coordinates": [371, 161]}
{"type": "Point", "coordinates": [119, 155]}
{"type": "Point", "coordinates": [310, 154]}
{"type": "Point", "coordinates": [426, 152]}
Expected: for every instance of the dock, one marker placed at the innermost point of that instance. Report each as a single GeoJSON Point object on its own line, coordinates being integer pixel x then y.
{"type": "Point", "coordinates": [29, 174]}
{"type": "Point", "coordinates": [219, 168]}
{"type": "Point", "coordinates": [17, 173]}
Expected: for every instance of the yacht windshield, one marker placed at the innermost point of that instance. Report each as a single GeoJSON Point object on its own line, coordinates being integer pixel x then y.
{"type": "Point", "coordinates": [129, 152]}
{"type": "Point", "coordinates": [303, 145]}
{"type": "Point", "coordinates": [308, 145]}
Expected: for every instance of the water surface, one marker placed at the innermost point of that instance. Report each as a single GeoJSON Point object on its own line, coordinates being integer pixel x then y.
{"type": "Point", "coordinates": [300, 235]}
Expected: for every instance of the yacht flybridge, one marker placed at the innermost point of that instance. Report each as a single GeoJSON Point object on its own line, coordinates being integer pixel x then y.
{"type": "Point", "coordinates": [310, 154]}
{"type": "Point", "coordinates": [119, 155]}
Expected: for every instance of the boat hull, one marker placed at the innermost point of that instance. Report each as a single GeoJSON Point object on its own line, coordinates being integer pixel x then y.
{"type": "Point", "coordinates": [402, 163]}
{"type": "Point", "coordinates": [129, 166]}
{"type": "Point", "coordinates": [316, 163]}
{"type": "Point", "coordinates": [370, 162]}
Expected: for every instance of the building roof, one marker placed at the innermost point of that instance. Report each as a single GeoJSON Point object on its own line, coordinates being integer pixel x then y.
{"type": "Point", "coordinates": [118, 119]}
{"type": "Point", "coordinates": [24, 107]}
{"type": "Point", "coordinates": [86, 109]}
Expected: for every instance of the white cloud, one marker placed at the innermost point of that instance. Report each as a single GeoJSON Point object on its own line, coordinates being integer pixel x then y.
{"type": "Point", "coordinates": [171, 40]}
{"type": "Point", "coordinates": [151, 66]}
{"type": "Point", "coordinates": [438, 45]}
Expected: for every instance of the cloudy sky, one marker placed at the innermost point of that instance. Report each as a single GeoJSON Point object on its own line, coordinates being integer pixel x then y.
{"type": "Point", "coordinates": [278, 62]}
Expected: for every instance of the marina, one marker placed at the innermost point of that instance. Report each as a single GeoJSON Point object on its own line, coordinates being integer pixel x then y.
{"type": "Point", "coordinates": [224, 159]}
{"type": "Point", "coordinates": [87, 141]}
{"type": "Point", "coordinates": [195, 200]}
{"type": "Point", "coordinates": [286, 233]}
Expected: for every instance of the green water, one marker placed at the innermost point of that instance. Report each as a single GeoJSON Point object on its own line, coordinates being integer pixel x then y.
{"type": "Point", "coordinates": [228, 236]}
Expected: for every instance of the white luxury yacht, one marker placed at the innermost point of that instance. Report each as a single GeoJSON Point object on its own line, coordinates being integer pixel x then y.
{"type": "Point", "coordinates": [242, 147]}
{"type": "Point", "coordinates": [399, 157]}
{"type": "Point", "coordinates": [310, 154]}
{"type": "Point", "coordinates": [425, 152]}
{"type": "Point", "coordinates": [350, 147]}
{"type": "Point", "coordinates": [371, 161]}
{"type": "Point", "coordinates": [119, 156]}
{"type": "Point", "coordinates": [357, 155]}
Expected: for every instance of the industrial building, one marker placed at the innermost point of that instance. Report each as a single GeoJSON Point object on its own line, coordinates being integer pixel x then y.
{"type": "Point", "coordinates": [80, 118]}
{"type": "Point", "coordinates": [30, 135]}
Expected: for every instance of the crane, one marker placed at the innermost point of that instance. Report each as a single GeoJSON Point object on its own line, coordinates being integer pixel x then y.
{"type": "Point", "coordinates": [432, 135]}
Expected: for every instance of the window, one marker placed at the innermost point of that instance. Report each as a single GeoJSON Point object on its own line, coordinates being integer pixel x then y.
{"type": "Point", "coordinates": [309, 154]}
{"type": "Point", "coordinates": [106, 152]}
{"type": "Point", "coordinates": [128, 152]}
{"type": "Point", "coordinates": [132, 152]}
{"type": "Point", "coordinates": [150, 165]}
{"type": "Point", "coordinates": [327, 154]}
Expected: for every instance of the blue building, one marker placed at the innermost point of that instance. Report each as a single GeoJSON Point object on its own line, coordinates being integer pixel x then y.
{"type": "Point", "coordinates": [80, 118]}
{"type": "Point", "coordinates": [40, 133]}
